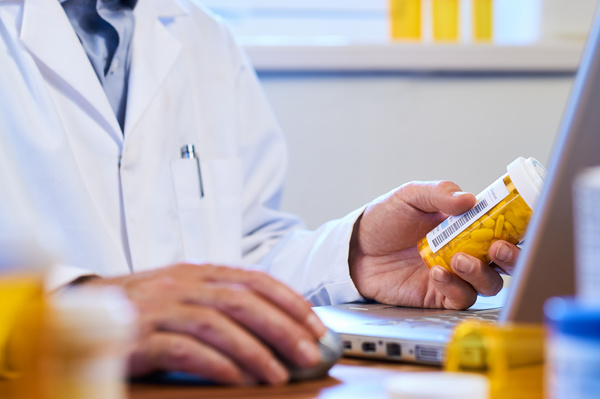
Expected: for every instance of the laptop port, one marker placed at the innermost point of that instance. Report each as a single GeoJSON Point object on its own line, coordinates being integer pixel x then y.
{"type": "Point", "coordinates": [429, 354]}
{"type": "Point", "coordinates": [393, 349]}
{"type": "Point", "coordinates": [347, 345]}
{"type": "Point", "coordinates": [369, 347]}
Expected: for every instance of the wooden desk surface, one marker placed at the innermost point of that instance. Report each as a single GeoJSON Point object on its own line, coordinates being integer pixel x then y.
{"type": "Point", "coordinates": [350, 378]}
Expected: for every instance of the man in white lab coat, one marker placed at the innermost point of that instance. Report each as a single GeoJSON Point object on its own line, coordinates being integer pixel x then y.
{"type": "Point", "coordinates": [108, 169]}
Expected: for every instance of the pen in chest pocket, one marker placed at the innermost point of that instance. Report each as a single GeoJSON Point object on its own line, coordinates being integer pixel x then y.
{"type": "Point", "coordinates": [188, 151]}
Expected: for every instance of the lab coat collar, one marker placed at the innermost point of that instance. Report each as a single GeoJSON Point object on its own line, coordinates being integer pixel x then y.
{"type": "Point", "coordinates": [168, 8]}
{"type": "Point", "coordinates": [155, 50]}
{"type": "Point", "coordinates": [47, 33]}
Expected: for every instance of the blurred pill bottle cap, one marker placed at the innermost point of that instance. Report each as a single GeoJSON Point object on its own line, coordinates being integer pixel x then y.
{"type": "Point", "coordinates": [568, 316]}
{"type": "Point", "coordinates": [528, 175]}
{"type": "Point", "coordinates": [92, 315]}
{"type": "Point", "coordinates": [90, 330]}
{"type": "Point", "coordinates": [438, 385]}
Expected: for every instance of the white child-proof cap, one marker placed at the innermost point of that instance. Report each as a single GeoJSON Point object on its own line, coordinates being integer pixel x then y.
{"type": "Point", "coordinates": [93, 315]}
{"type": "Point", "coordinates": [528, 175]}
{"type": "Point", "coordinates": [92, 328]}
{"type": "Point", "coordinates": [438, 385]}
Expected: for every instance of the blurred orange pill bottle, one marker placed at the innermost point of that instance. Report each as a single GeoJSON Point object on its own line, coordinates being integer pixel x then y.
{"type": "Point", "coordinates": [23, 310]}
{"type": "Point", "coordinates": [405, 19]}
{"type": "Point", "coordinates": [502, 212]}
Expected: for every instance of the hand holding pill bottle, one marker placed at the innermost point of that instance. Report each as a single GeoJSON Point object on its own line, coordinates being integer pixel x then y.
{"type": "Point", "coordinates": [502, 212]}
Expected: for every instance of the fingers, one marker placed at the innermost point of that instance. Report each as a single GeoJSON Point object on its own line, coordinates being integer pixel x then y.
{"type": "Point", "coordinates": [472, 277]}
{"type": "Point", "coordinates": [457, 293]}
{"type": "Point", "coordinates": [215, 329]}
{"type": "Point", "coordinates": [483, 278]}
{"type": "Point", "coordinates": [267, 308]}
{"type": "Point", "coordinates": [288, 300]}
{"type": "Point", "coordinates": [292, 303]}
{"type": "Point", "coordinates": [227, 324]}
{"type": "Point", "coordinates": [244, 322]}
{"type": "Point", "coordinates": [291, 340]}
{"type": "Point", "coordinates": [179, 352]}
{"type": "Point", "coordinates": [504, 255]}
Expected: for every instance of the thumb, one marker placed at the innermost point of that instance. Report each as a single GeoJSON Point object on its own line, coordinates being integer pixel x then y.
{"type": "Point", "coordinates": [438, 196]}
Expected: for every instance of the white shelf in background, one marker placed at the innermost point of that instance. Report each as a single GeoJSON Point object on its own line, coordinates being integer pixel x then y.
{"type": "Point", "coordinates": [335, 54]}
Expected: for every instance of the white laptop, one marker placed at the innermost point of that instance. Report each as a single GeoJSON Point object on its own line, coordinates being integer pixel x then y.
{"type": "Point", "coordinates": [545, 267]}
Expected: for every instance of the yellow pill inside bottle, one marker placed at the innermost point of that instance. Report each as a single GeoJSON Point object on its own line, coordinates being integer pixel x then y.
{"type": "Point", "coordinates": [499, 226]}
{"type": "Point", "coordinates": [489, 223]}
{"type": "Point", "coordinates": [502, 212]}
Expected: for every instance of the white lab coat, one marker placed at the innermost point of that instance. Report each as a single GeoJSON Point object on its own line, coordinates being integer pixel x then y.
{"type": "Point", "coordinates": [129, 202]}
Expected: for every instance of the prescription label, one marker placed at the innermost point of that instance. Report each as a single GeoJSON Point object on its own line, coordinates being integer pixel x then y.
{"type": "Point", "coordinates": [455, 225]}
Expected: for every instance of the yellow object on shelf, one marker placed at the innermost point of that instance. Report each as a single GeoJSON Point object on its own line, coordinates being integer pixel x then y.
{"type": "Point", "coordinates": [511, 356]}
{"type": "Point", "coordinates": [446, 20]}
{"type": "Point", "coordinates": [405, 19]}
{"type": "Point", "coordinates": [483, 20]}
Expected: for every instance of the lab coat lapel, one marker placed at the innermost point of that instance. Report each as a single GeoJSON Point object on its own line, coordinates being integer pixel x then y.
{"type": "Point", "coordinates": [48, 35]}
{"type": "Point", "coordinates": [155, 50]}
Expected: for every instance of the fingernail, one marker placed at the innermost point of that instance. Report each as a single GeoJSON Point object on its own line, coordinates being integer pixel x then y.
{"type": "Point", "coordinates": [278, 374]}
{"type": "Point", "coordinates": [308, 353]}
{"type": "Point", "coordinates": [463, 264]}
{"type": "Point", "coordinates": [459, 193]}
{"type": "Point", "coordinates": [503, 253]}
{"type": "Point", "coordinates": [440, 274]}
{"type": "Point", "coordinates": [315, 324]}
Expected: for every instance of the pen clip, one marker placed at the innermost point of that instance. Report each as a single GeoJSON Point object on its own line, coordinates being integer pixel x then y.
{"type": "Point", "coordinates": [188, 152]}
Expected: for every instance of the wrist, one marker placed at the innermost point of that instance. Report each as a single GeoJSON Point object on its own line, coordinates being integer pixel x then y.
{"type": "Point", "coordinates": [354, 252]}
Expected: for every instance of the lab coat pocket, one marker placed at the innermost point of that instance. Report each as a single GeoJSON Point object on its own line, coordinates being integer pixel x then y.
{"type": "Point", "coordinates": [210, 225]}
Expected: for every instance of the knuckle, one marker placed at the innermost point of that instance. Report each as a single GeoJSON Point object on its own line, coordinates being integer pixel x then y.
{"type": "Point", "coordinates": [442, 186]}
{"type": "Point", "coordinates": [204, 326]}
{"type": "Point", "coordinates": [256, 277]}
{"type": "Point", "coordinates": [443, 183]}
{"type": "Point", "coordinates": [166, 283]}
{"type": "Point", "coordinates": [147, 322]}
{"type": "Point", "coordinates": [185, 268]}
{"type": "Point", "coordinates": [176, 352]}
{"type": "Point", "coordinates": [236, 299]}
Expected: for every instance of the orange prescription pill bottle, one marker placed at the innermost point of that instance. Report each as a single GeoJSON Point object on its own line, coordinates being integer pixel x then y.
{"type": "Point", "coordinates": [23, 310]}
{"type": "Point", "coordinates": [22, 349]}
{"type": "Point", "coordinates": [502, 212]}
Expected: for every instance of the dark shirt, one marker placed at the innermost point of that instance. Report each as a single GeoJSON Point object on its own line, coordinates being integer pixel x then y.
{"type": "Point", "coordinates": [105, 29]}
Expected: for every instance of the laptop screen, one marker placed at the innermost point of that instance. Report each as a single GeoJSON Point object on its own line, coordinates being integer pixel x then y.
{"type": "Point", "coordinates": [546, 265]}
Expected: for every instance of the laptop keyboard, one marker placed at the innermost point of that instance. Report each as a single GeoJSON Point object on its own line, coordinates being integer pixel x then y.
{"type": "Point", "coordinates": [446, 320]}
{"type": "Point", "coordinates": [452, 319]}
